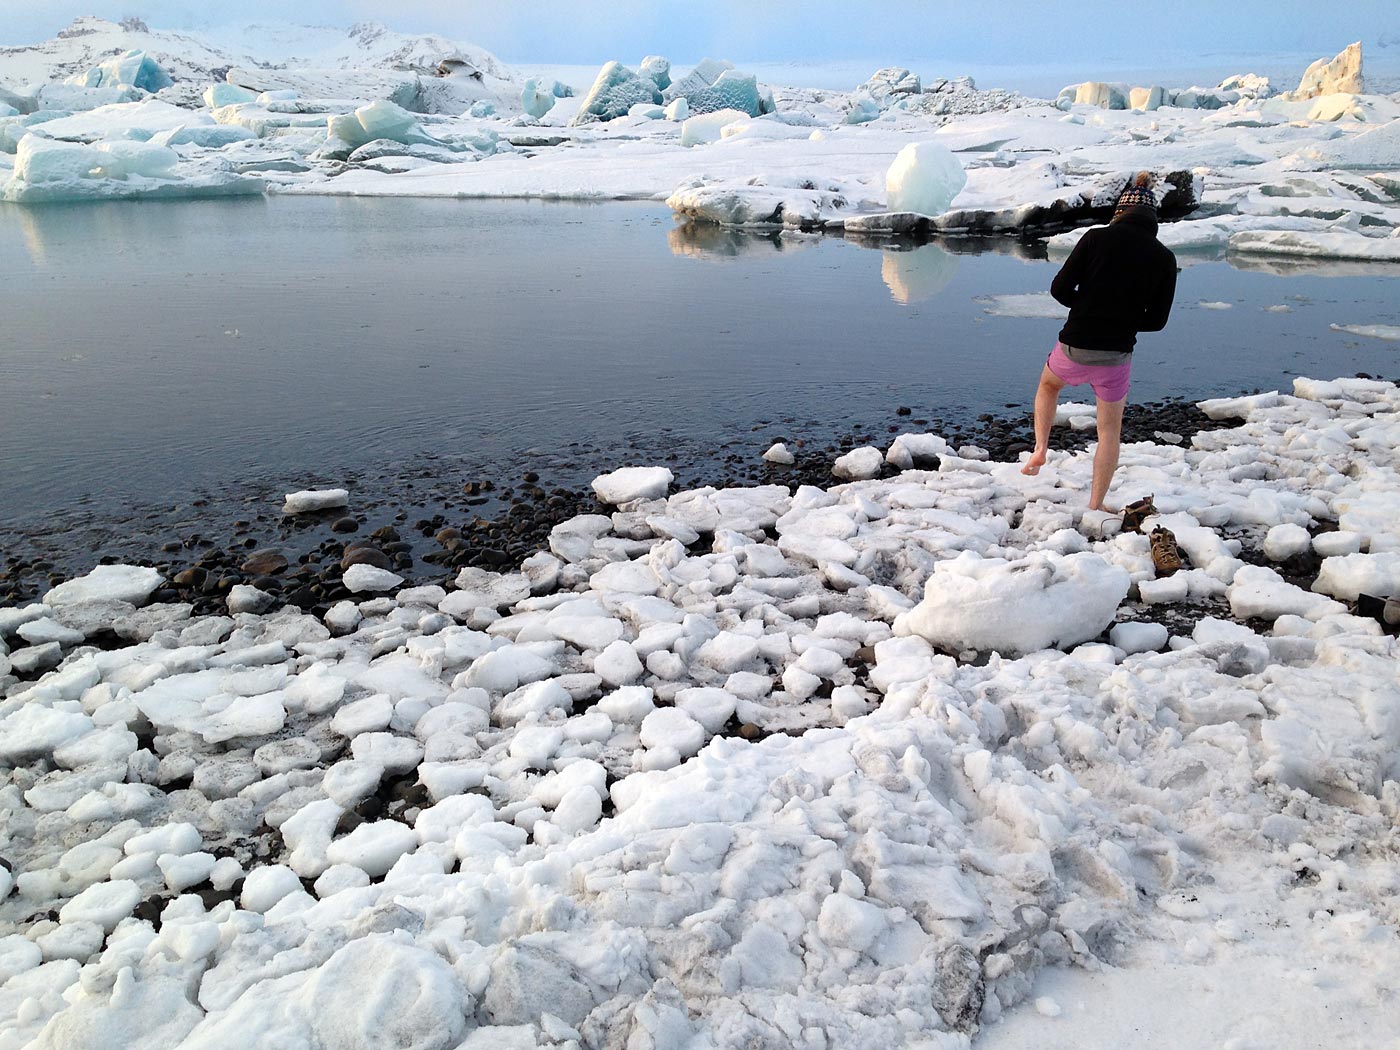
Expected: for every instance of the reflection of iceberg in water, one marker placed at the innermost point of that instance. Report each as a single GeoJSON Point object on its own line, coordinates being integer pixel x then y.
{"type": "Point", "coordinates": [708, 240]}
{"type": "Point", "coordinates": [1300, 266]}
{"type": "Point", "coordinates": [918, 274]}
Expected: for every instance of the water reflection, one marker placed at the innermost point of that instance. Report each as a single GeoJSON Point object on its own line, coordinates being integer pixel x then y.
{"type": "Point", "coordinates": [708, 240]}
{"type": "Point", "coordinates": [917, 274]}
{"type": "Point", "coordinates": [913, 271]}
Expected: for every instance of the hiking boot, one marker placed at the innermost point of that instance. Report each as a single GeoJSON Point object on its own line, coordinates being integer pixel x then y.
{"type": "Point", "coordinates": [1165, 555]}
{"type": "Point", "coordinates": [1135, 513]}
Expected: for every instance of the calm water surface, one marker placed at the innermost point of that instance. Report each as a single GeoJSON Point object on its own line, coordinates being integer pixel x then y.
{"type": "Point", "coordinates": [154, 349]}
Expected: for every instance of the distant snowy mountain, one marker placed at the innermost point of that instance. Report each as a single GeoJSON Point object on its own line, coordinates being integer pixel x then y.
{"type": "Point", "coordinates": [262, 56]}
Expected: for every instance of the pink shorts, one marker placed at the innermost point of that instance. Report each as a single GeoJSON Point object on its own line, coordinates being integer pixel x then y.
{"type": "Point", "coordinates": [1110, 382]}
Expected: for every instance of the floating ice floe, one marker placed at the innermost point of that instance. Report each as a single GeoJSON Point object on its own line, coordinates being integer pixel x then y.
{"type": "Point", "coordinates": [310, 500]}
{"type": "Point", "coordinates": [49, 171]}
{"type": "Point", "coordinates": [1370, 331]}
{"type": "Point", "coordinates": [1031, 304]}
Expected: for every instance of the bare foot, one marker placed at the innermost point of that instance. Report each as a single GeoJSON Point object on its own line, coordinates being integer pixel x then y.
{"type": "Point", "coordinates": [1034, 464]}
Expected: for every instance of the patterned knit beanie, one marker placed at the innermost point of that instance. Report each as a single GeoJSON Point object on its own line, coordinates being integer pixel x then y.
{"type": "Point", "coordinates": [1138, 194]}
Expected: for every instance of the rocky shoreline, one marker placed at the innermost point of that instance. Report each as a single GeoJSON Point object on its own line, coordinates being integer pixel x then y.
{"type": "Point", "coordinates": [426, 524]}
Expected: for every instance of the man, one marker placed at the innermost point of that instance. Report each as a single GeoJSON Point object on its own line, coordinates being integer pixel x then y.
{"type": "Point", "coordinates": [1118, 281]}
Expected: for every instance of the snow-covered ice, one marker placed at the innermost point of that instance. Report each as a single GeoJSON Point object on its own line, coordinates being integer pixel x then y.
{"type": "Point", "coordinates": [686, 788]}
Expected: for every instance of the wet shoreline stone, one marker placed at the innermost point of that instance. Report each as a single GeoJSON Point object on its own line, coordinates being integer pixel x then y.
{"type": "Point", "coordinates": [428, 536]}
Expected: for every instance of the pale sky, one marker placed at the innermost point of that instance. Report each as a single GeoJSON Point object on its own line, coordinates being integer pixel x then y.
{"type": "Point", "coordinates": [967, 32]}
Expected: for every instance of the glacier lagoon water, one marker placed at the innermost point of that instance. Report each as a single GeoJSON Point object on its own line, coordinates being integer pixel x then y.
{"type": "Point", "coordinates": [154, 350]}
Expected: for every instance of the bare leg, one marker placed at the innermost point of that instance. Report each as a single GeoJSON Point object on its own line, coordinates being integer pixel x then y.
{"type": "Point", "coordinates": [1046, 397]}
{"type": "Point", "coordinates": [1106, 454]}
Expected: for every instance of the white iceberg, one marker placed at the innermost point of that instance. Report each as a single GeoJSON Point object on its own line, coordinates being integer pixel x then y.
{"type": "Point", "coordinates": [924, 179]}
{"type": "Point", "coordinates": [48, 171]}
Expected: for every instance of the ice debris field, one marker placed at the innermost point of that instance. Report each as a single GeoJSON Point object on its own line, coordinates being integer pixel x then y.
{"type": "Point", "coordinates": [902, 762]}
{"type": "Point", "coordinates": [734, 768]}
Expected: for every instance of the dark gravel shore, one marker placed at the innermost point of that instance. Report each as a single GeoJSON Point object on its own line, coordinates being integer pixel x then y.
{"type": "Point", "coordinates": [430, 517]}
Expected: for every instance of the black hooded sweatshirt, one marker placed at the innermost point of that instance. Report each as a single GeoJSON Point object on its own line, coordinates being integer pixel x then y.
{"type": "Point", "coordinates": [1118, 281]}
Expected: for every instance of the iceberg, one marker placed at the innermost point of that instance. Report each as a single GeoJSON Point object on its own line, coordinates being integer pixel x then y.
{"type": "Point", "coordinates": [50, 171]}
{"type": "Point", "coordinates": [536, 98]}
{"type": "Point", "coordinates": [206, 136]}
{"type": "Point", "coordinates": [615, 91]}
{"type": "Point", "coordinates": [704, 75]}
{"type": "Point", "coordinates": [732, 90]}
{"type": "Point", "coordinates": [863, 111]}
{"type": "Point", "coordinates": [924, 179]}
{"type": "Point", "coordinates": [657, 70]}
{"type": "Point", "coordinates": [1339, 75]}
{"type": "Point", "coordinates": [216, 95]}
{"type": "Point", "coordinates": [71, 97]}
{"type": "Point", "coordinates": [132, 69]}
{"type": "Point", "coordinates": [709, 127]}
{"type": "Point", "coordinates": [123, 120]}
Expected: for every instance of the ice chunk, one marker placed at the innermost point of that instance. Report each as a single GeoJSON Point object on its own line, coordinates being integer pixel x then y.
{"type": "Point", "coordinates": [106, 904]}
{"type": "Point", "coordinates": [863, 111]}
{"type": "Point", "coordinates": [677, 110]}
{"type": "Point", "coordinates": [924, 179]}
{"type": "Point", "coordinates": [1285, 541]}
{"type": "Point", "coordinates": [845, 922]}
{"type": "Point", "coordinates": [126, 583]}
{"type": "Point", "coordinates": [709, 127]}
{"type": "Point", "coordinates": [314, 499]}
{"type": "Point", "coordinates": [615, 91]}
{"type": "Point", "coordinates": [632, 483]}
{"type": "Point", "coordinates": [1331, 76]}
{"type": "Point", "coordinates": [703, 75]}
{"type": "Point", "coordinates": [537, 98]}
{"type": "Point", "coordinates": [1257, 591]}
{"type": "Point", "coordinates": [1031, 304]}
{"type": "Point", "coordinates": [265, 886]}
{"type": "Point", "coordinates": [373, 847]}
{"type": "Point", "coordinates": [375, 992]}
{"type": "Point", "coordinates": [1015, 608]}
{"type": "Point", "coordinates": [1389, 332]}
{"type": "Point", "coordinates": [1348, 575]}
{"type": "Point", "coordinates": [47, 170]}
{"type": "Point", "coordinates": [778, 453]}
{"type": "Point", "coordinates": [134, 121]}
{"type": "Point", "coordinates": [657, 70]}
{"type": "Point", "coordinates": [34, 730]}
{"type": "Point", "coordinates": [361, 577]}
{"type": "Point", "coordinates": [206, 136]}
{"type": "Point", "coordinates": [223, 94]}
{"type": "Point", "coordinates": [131, 69]}
{"type": "Point", "coordinates": [669, 727]}
{"type": "Point", "coordinates": [384, 120]}
{"type": "Point", "coordinates": [1138, 637]}
{"type": "Point", "coordinates": [731, 90]}
{"type": "Point", "coordinates": [1329, 244]}
{"type": "Point", "coordinates": [859, 464]}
